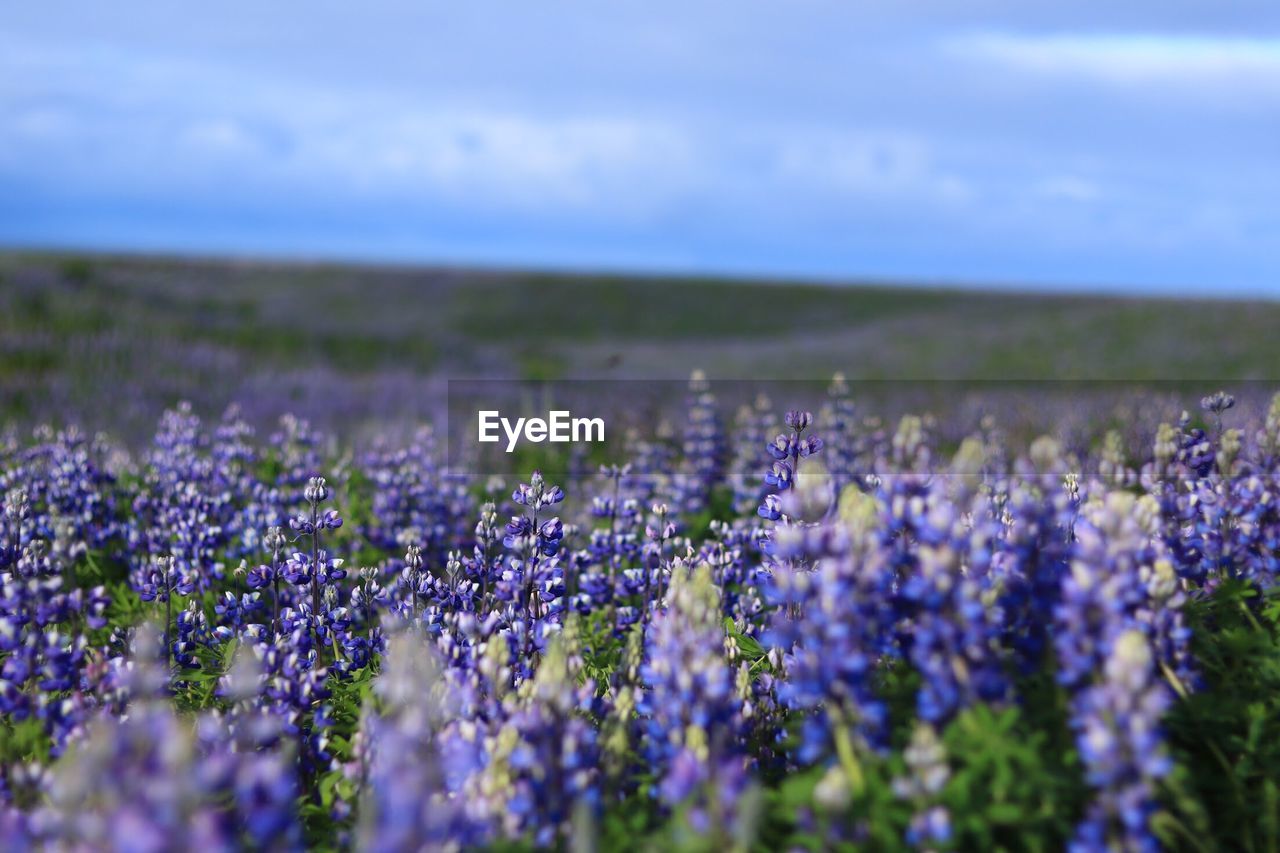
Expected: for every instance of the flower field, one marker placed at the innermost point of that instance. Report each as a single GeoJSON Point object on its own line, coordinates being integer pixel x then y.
{"type": "Point", "coordinates": [766, 629]}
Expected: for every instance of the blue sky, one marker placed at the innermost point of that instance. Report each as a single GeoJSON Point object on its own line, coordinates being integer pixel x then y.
{"type": "Point", "coordinates": [1130, 147]}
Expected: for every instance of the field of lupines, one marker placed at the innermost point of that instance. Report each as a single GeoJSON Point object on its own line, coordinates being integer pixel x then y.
{"type": "Point", "coordinates": [765, 630]}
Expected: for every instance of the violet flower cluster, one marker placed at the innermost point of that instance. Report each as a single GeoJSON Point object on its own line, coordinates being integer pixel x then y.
{"type": "Point", "coordinates": [231, 642]}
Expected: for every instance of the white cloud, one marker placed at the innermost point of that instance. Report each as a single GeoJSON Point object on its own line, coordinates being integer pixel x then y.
{"type": "Point", "coordinates": [577, 160]}
{"type": "Point", "coordinates": [1068, 188]}
{"type": "Point", "coordinates": [211, 121]}
{"type": "Point", "coordinates": [220, 136]}
{"type": "Point", "coordinates": [1128, 58]}
{"type": "Point", "coordinates": [868, 164]}
{"type": "Point", "coordinates": [896, 155]}
{"type": "Point", "coordinates": [173, 123]}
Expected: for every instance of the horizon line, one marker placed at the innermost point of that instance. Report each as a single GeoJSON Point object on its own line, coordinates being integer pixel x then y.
{"type": "Point", "coordinates": [396, 262]}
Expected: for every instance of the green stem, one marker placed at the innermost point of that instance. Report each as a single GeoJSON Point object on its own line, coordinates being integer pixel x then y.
{"type": "Point", "coordinates": [845, 751]}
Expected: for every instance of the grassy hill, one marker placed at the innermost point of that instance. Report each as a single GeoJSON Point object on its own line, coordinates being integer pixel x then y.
{"type": "Point", "coordinates": [144, 331]}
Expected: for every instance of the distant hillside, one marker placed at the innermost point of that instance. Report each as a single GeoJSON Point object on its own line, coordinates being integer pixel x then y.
{"type": "Point", "coordinates": [150, 330]}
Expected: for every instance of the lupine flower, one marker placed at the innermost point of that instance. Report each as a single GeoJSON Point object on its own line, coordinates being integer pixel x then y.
{"type": "Point", "coordinates": [315, 569]}
{"type": "Point", "coordinates": [1118, 722]}
{"type": "Point", "coordinates": [1218, 402]}
{"type": "Point", "coordinates": [691, 707]}
{"type": "Point", "coordinates": [846, 445]}
{"type": "Point", "coordinates": [787, 449]}
{"type": "Point", "coordinates": [927, 774]}
{"type": "Point", "coordinates": [146, 782]}
{"type": "Point", "coordinates": [1105, 658]}
{"type": "Point", "coordinates": [407, 802]}
{"type": "Point", "coordinates": [522, 693]}
{"type": "Point", "coordinates": [703, 445]}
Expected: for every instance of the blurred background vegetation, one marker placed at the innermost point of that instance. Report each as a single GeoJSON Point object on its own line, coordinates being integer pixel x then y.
{"type": "Point", "coordinates": [80, 333]}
